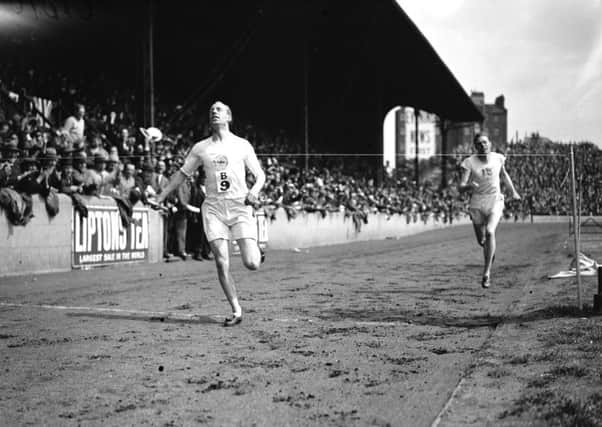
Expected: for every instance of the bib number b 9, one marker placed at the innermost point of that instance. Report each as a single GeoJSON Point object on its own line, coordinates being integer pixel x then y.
{"type": "Point", "coordinates": [223, 181]}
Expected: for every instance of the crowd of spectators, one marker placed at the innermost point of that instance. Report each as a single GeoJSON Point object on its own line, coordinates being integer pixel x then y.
{"type": "Point", "coordinates": [96, 148]}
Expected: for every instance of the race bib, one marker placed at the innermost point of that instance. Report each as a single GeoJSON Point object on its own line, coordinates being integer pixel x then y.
{"type": "Point", "coordinates": [223, 181]}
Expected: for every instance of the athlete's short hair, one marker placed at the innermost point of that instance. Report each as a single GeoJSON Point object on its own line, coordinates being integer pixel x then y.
{"type": "Point", "coordinates": [228, 109]}
{"type": "Point", "coordinates": [479, 135]}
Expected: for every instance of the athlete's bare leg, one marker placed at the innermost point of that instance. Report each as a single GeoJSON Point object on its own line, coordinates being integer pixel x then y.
{"type": "Point", "coordinates": [220, 248]}
{"type": "Point", "coordinates": [490, 243]}
{"type": "Point", "coordinates": [479, 230]}
{"type": "Point", "coordinates": [249, 251]}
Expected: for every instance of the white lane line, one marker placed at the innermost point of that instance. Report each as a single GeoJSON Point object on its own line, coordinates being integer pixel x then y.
{"type": "Point", "coordinates": [165, 314]}
{"type": "Point", "coordinates": [448, 403]}
{"type": "Point", "coordinates": [178, 316]}
{"type": "Point", "coordinates": [317, 321]}
{"type": "Point", "coordinates": [368, 323]}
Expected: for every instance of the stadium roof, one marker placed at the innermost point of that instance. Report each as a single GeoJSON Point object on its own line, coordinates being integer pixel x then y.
{"type": "Point", "coordinates": [357, 59]}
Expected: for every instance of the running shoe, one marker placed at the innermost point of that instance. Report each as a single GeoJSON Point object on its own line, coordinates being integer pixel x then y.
{"type": "Point", "coordinates": [486, 282]}
{"type": "Point", "coordinates": [233, 320]}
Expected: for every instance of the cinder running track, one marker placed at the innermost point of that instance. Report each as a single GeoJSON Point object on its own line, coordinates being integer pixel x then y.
{"type": "Point", "coordinates": [376, 333]}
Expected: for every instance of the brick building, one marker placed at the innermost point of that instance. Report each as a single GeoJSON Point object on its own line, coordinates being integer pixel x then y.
{"type": "Point", "coordinates": [495, 124]}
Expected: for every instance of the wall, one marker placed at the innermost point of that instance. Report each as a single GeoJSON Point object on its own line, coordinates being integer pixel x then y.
{"type": "Point", "coordinates": [44, 244]}
{"type": "Point", "coordinates": [310, 229]}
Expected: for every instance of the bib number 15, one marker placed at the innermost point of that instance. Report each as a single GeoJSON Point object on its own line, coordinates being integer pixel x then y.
{"type": "Point", "coordinates": [223, 181]}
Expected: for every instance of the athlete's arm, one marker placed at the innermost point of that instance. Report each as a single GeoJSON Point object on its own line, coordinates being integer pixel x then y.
{"type": "Point", "coordinates": [464, 184]}
{"type": "Point", "coordinates": [252, 163]}
{"type": "Point", "coordinates": [174, 182]}
{"type": "Point", "coordinates": [190, 165]}
{"type": "Point", "coordinates": [508, 183]}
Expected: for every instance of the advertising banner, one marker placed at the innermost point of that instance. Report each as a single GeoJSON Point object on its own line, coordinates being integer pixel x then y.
{"type": "Point", "coordinates": [101, 238]}
{"type": "Point", "coordinates": [406, 134]}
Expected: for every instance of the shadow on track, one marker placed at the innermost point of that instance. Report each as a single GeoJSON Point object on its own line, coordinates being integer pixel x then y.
{"type": "Point", "coordinates": [444, 320]}
{"type": "Point", "coordinates": [417, 318]}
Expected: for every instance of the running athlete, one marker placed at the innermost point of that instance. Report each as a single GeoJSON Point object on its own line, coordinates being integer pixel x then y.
{"type": "Point", "coordinates": [228, 205]}
{"type": "Point", "coordinates": [481, 174]}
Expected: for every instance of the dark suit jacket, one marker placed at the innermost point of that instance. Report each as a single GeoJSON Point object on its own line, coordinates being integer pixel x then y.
{"type": "Point", "coordinates": [159, 182]}
{"type": "Point", "coordinates": [184, 193]}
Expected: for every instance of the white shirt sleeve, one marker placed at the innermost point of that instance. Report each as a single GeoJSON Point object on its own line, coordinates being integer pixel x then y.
{"type": "Point", "coordinates": [252, 163]}
{"type": "Point", "coordinates": [192, 163]}
{"type": "Point", "coordinates": [251, 160]}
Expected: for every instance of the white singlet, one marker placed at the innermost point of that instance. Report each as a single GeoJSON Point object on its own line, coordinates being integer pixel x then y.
{"type": "Point", "coordinates": [224, 162]}
{"type": "Point", "coordinates": [224, 165]}
{"type": "Point", "coordinates": [487, 198]}
{"type": "Point", "coordinates": [485, 174]}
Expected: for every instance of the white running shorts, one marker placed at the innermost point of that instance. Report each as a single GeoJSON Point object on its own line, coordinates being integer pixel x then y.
{"type": "Point", "coordinates": [228, 217]}
{"type": "Point", "coordinates": [484, 207]}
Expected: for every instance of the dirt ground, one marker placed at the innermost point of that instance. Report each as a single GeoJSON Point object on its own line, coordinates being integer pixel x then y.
{"type": "Point", "coordinates": [392, 332]}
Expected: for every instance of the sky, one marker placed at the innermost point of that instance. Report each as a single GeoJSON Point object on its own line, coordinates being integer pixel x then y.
{"type": "Point", "coordinates": [544, 56]}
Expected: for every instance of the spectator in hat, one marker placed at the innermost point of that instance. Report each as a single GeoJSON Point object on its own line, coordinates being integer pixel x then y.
{"type": "Point", "coordinates": [51, 159]}
{"type": "Point", "coordinates": [80, 166]}
{"type": "Point", "coordinates": [108, 178]}
{"type": "Point", "coordinates": [124, 145]}
{"type": "Point", "coordinates": [9, 166]}
{"type": "Point", "coordinates": [126, 181]}
{"type": "Point", "coordinates": [95, 146]}
{"type": "Point", "coordinates": [29, 166]}
{"type": "Point", "coordinates": [38, 143]}
{"type": "Point", "coordinates": [67, 183]}
{"type": "Point", "coordinates": [25, 182]}
{"type": "Point", "coordinates": [93, 177]}
{"type": "Point", "coordinates": [40, 182]}
{"type": "Point", "coordinates": [144, 181]}
{"type": "Point", "coordinates": [113, 163]}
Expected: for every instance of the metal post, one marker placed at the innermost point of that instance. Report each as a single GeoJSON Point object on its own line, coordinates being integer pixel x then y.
{"type": "Point", "coordinates": [598, 298]}
{"type": "Point", "coordinates": [444, 130]}
{"type": "Point", "coordinates": [416, 172]}
{"type": "Point", "coordinates": [145, 96]}
{"type": "Point", "coordinates": [576, 230]}
{"type": "Point", "coordinates": [151, 64]}
{"type": "Point", "coordinates": [578, 196]}
{"type": "Point", "coordinates": [306, 100]}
